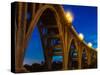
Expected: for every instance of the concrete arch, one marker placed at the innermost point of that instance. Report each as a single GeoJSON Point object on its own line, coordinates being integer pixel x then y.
{"type": "Point", "coordinates": [38, 16]}
{"type": "Point", "coordinates": [85, 50]}
{"type": "Point", "coordinates": [83, 45]}
{"type": "Point", "coordinates": [85, 63]}
{"type": "Point", "coordinates": [88, 54]}
{"type": "Point", "coordinates": [76, 46]}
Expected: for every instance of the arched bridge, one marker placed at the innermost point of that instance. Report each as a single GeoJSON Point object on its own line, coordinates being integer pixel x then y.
{"type": "Point", "coordinates": [58, 36]}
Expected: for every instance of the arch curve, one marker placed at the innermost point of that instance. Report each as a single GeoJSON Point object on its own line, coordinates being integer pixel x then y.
{"type": "Point", "coordinates": [73, 55]}
{"type": "Point", "coordinates": [37, 17]}
{"type": "Point", "coordinates": [76, 45]}
{"type": "Point", "coordinates": [85, 51]}
{"type": "Point", "coordinates": [84, 58]}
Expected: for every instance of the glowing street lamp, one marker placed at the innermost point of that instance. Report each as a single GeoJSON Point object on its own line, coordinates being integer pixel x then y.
{"type": "Point", "coordinates": [81, 36]}
{"type": "Point", "coordinates": [90, 44]}
{"type": "Point", "coordinates": [69, 17]}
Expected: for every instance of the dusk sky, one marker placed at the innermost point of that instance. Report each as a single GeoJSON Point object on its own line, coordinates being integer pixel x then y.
{"type": "Point", "coordinates": [85, 21]}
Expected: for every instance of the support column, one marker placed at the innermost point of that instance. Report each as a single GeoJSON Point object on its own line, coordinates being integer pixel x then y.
{"type": "Point", "coordinates": [89, 57]}
{"type": "Point", "coordinates": [69, 38]}
{"type": "Point", "coordinates": [20, 39]}
{"type": "Point", "coordinates": [50, 62]}
{"type": "Point", "coordinates": [48, 59]}
{"type": "Point", "coordinates": [62, 38]}
{"type": "Point", "coordinates": [65, 66]}
{"type": "Point", "coordinates": [79, 56]}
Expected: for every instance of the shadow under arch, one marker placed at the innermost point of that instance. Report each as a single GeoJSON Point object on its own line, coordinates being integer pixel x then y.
{"type": "Point", "coordinates": [73, 55]}
{"type": "Point", "coordinates": [44, 18]}
{"type": "Point", "coordinates": [84, 59]}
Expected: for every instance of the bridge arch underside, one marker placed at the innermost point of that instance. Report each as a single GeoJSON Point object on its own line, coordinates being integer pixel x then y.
{"type": "Point", "coordinates": [48, 26]}
{"type": "Point", "coordinates": [84, 59]}
{"type": "Point", "coordinates": [73, 56]}
{"type": "Point", "coordinates": [93, 60]}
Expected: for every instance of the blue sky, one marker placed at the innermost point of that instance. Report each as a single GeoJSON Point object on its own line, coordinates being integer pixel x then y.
{"type": "Point", "coordinates": [85, 21]}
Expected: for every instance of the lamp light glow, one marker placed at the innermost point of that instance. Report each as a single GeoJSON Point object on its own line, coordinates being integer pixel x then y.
{"type": "Point", "coordinates": [69, 17]}
{"type": "Point", "coordinates": [81, 36]}
{"type": "Point", "coordinates": [90, 44]}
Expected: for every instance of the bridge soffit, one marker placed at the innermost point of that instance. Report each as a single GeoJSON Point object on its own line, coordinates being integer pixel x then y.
{"type": "Point", "coordinates": [38, 15]}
